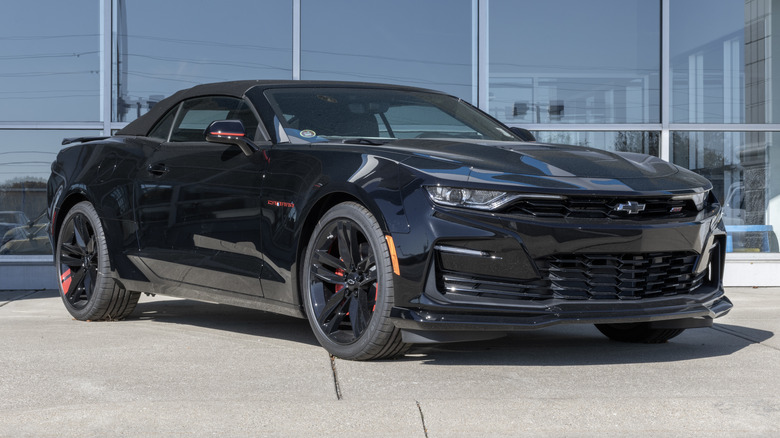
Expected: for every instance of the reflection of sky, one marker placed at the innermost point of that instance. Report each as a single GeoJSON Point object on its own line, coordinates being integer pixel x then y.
{"type": "Point", "coordinates": [596, 61]}
{"type": "Point", "coordinates": [422, 43]}
{"type": "Point", "coordinates": [575, 36]}
{"type": "Point", "coordinates": [50, 61]}
{"type": "Point", "coordinates": [711, 24]}
{"type": "Point", "coordinates": [242, 39]}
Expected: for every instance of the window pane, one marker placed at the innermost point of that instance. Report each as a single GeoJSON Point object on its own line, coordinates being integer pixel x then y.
{"type": "Point", "coordinates": [25, 164]}
{"type": "Point", "coordinates": [574, 61]}
{"type": "Point", "coordinates": [157, 52]}
{"type": "Point", "coordinates": [740, 167]}
{"type": "Point", "coordinates": [643, 142]}
{"type": "Point", "coordinates": [50, 61]}
{"type": "Point", "coordinates": [721, 60]}
{"type": "Point", "coordinates": [408, 42]}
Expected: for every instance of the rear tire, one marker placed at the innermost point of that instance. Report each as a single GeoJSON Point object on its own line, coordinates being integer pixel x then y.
{"type": "Point", "coordinates": [639, 332]}
{"type": "Point", "coordinates": [87, 287]}
{"type": "Point", "coordinates": [347, 286]}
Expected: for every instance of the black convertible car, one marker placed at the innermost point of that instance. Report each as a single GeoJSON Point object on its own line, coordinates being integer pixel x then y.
{"type": "Point", "coordinates": [386, 215]}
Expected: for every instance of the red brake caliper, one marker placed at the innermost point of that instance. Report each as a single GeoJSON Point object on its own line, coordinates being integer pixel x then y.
{"type": "Point", "coordinates": [340, 273]}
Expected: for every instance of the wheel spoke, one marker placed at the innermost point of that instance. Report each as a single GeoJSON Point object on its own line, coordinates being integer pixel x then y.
{"type": "Point", "coordinates": [70, 261]}
{"type": "Point", "coordinates": [327, 276]}
{"type": "Point", "coordinates": [368, 278]}
{"type": "Point", "coordinates": [322, 257]}
{"type": "Point", "coordinates": [338, 316]}
{"type": "Point", "coordinates": [358, 312]}
{"type": "Point", "coordinates": [81, 233]}
{"type": "Point", "coordinates": [334, 304]}
{"type": "Point", "coordinates": [368, 262]}
{"type": "Point", "coordinates": [347, 239]}
{"type": "Point", "coordinates": [92, 279]}
{"type": "Point", "coordinates": [72, 251]}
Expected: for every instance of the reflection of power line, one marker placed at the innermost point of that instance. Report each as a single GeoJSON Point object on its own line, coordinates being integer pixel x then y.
{"type": "Point", "coordinates": [47, 37]}
{"type": "Point", "coordinates": [206, 61]}
{"type": "Point", "coordinates": [201, 43]}
{"type": "Point", "coordinates": [67, 96]}
{"type": "Point", "coordinates": [48, 55]}
{"type": "Point", "coordinates": [408, 80]}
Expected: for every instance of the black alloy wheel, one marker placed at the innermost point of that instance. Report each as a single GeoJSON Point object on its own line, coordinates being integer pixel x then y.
{"type": "Point", "coordinates": [347, 286]}
{"type": "Point", "coordinates": [86, 286]}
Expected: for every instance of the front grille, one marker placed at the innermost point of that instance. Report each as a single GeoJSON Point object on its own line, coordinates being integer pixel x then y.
{"type": "Point", "coordinates": [603, 208]}
{"type": "Point", "coordinates": [628, 276]}
{"type": "Point", "coordinates": [588, 276]}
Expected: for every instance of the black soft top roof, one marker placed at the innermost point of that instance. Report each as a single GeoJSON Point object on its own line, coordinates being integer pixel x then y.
{"type": "Point", "coordinates": [142, 125]}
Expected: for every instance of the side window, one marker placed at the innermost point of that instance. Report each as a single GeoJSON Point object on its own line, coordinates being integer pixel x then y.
{"type": "Point", "coordinates": [196, 115]}
{"type": "Point", "coordinates": [163, 127]}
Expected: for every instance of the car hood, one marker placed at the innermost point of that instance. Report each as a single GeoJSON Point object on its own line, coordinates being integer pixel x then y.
{"type": "Point", "coordinates": [546, 166]}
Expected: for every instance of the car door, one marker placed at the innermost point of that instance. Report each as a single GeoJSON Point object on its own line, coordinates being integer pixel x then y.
{"type": "Point", "coordinates": [198, 203]}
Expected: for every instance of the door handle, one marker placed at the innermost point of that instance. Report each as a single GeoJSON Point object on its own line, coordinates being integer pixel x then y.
{"type": "Point", "coordinates": [158, 169]}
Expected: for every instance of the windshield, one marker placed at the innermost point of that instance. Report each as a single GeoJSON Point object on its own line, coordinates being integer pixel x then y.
{"type": "Point", "coordinates": [380, 115]}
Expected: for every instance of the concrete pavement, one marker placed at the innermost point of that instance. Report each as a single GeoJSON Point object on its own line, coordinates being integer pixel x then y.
{"type": "Point", "coordinates": [184, 368]}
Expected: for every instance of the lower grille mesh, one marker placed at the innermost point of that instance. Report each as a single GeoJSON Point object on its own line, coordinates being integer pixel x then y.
{"type": "Point", "coordinates": [590, 276]}
{"type": "Point", "coordinates": [630, 276]}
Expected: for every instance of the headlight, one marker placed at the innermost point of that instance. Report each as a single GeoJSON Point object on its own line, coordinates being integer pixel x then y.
{"type": "Point", "coordinates": [478, 199]}
{"type": "Point", "coordinates": [697, 198]}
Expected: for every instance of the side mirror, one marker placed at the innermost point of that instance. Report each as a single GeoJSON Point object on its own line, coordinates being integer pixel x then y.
{"type": "Point", "coordinates": [230, 132]}
{"type": "Point", "coordinates": [524, 134]}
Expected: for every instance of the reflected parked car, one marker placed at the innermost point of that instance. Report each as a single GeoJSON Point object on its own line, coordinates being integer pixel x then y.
{"type": "Point", "coordinates": [26, 240]}
{"type": "Point", "coordinates": [386, 215]}
{"type": "Point", "coordinates": [11, 219]}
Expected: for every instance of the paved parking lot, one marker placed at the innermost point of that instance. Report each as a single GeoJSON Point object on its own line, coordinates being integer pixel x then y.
{"type": "Point", "coordinates": [184, 368]}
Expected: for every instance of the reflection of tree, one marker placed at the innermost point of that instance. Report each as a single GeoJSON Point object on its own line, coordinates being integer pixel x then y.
{"type": "Point", "coordinates": [27, 194]}
{"type": "Point", "coordinates": [567, 138]}
{"type": "Point", "coordinates": [641, 142]}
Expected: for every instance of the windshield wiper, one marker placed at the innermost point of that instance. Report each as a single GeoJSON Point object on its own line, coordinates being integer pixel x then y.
{"type": "Point", "coordinates": [368, 141]}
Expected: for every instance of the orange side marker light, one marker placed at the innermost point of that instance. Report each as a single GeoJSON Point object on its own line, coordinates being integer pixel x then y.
{"type": "Point", "coordinates": [393, 255]}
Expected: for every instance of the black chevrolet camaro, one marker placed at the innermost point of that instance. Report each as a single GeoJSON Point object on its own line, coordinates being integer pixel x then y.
{"type": "Point", "coordinates": [386, 215]}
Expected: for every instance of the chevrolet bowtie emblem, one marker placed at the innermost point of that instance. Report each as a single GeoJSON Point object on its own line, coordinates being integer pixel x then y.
{"type": "Point", "coordinates": [630, 207]}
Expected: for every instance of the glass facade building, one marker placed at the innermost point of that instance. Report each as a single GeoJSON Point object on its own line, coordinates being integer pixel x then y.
{"type": "Point", "coordinates": [690, 81]}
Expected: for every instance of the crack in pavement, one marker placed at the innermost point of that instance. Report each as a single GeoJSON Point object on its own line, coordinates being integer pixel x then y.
{"type": "Point", "coordinates": [422, 418]}
{"type": "Point", "coordinates": [335, 377]}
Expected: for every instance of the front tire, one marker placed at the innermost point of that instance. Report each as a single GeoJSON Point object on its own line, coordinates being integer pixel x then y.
{"type": "Point", "coordinates": [86, 285]}
{"type": "Point", "coordinates": [347, 286]}
{"type": "Point", "coordinates": [639, 332]}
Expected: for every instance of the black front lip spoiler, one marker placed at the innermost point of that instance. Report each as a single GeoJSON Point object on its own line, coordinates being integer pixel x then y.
{"type": "Point", "coordinates": [672, 312]}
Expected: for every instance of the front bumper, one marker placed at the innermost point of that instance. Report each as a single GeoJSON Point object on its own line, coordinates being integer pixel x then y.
{"type": "Point", "coordinates": [493, 273]}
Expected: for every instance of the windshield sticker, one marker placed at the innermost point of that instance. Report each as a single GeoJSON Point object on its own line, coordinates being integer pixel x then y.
{"type": "Point", "coordinates": [308, 133]}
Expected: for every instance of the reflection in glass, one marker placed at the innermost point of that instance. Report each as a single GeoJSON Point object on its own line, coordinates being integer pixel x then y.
{"type": "Point", "coordinates": [24, 170]}
{"type": "Point", "coordinates": [740, 167]}
{"type": "Point", "coordinates": [721, 60]}
{"type": "Point", "coordinates": [573, 61]}
{"type": "Point", "coordinates": [426, 44]}
{"type": "Point", "coordinates": [642, 142]}
{"type": "Point", "coordinates": [156, 54]}
{"type": "Point", "coordinates": [50, 61]}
